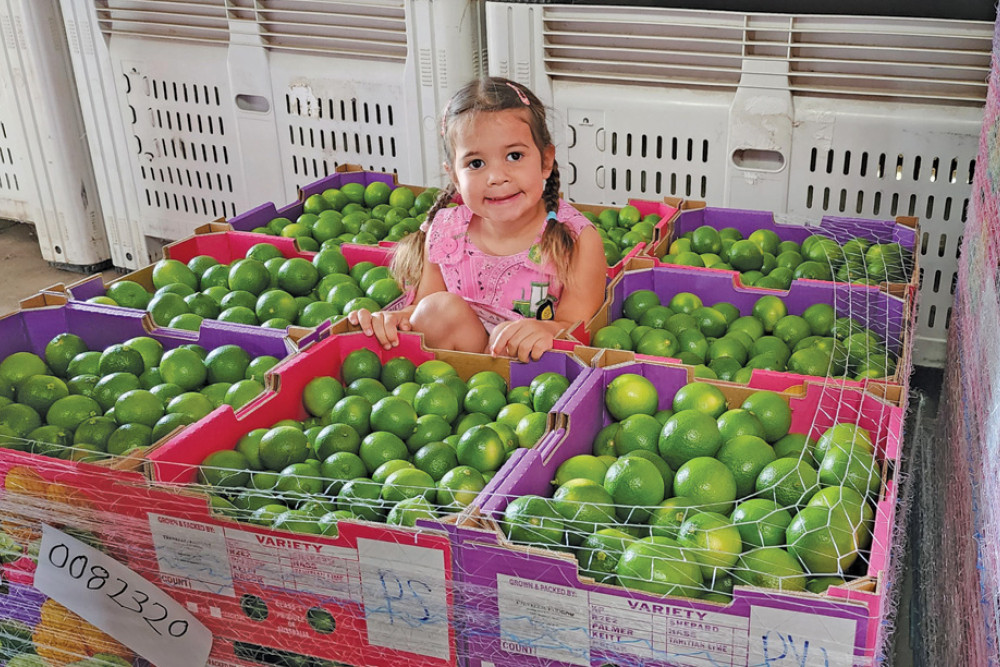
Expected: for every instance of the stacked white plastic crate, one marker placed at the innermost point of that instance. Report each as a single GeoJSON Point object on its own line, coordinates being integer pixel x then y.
{"type": "Point", "coordinates": [201, 110]}
{"type": "Point", "coordinates": [46, 177]}
{"type": "Point", "coordinates": [802, 115]}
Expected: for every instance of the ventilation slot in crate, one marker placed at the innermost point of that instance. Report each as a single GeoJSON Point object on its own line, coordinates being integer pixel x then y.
{"type": "Point", "coordinates": [903, 59]}
{"type": "Point", "coordinates": [8, 177]}
{"type": "Point", "coordinates": [326, 132]}
{"type": "Point", "coordinates": [373, 30]}
{"type": "Point", "coordinates": [185, 160]}
{"type": "Point", "coordinates": [193, 20]}
{"type": "Point", "coordinates": [644, 46]}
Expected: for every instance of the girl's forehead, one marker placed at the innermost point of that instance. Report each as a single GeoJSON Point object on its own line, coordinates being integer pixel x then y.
{"type": "Point", "coordinates": [481, 127]}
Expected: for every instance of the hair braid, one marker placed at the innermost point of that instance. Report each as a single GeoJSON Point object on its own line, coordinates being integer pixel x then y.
{"type": "Point", "coordinates": [407, 264]}
{"type": "Point", "coordinates": [558, 242]}
{"type": "Point", "coordinates": [551, 193]}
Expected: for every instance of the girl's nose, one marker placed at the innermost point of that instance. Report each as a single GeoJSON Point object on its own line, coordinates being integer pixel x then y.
{"type": "Point", "coordinates": [497, 175]}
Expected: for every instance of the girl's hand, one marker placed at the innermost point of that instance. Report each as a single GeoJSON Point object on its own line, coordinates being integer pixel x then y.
{"type": "Point", "coordinates": [525, 339]}
{"type": "Point", "coordinates": [385, 326]}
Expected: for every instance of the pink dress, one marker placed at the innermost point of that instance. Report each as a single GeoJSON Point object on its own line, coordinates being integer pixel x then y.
{"type": "Point", "coordinates": [499, 288]}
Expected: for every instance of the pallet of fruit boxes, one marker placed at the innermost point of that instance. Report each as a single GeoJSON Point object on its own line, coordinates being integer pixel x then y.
{"type": "Point", "coordinates": [879, 252]}
{"type": "Point", "coordinates": [851, 334]}
{"type": "Point", "coordinates": [596, 550]}
{"type": "Point", "coordinates": [381, 211]}
{"type": "Point", "coordinates": [310, 288]}
{"type": "Point", "coordinates": [279, 561]}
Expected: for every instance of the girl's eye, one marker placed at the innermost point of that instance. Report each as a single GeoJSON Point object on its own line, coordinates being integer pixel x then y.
{"type": "Point", "coordinates": [514, 156]}
{"type": "Point", "coordinates": [476, 164]}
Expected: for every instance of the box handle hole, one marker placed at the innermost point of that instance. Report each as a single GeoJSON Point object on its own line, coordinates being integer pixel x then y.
{"type": "Point", "coordinates": [254, 103]}
{"type": "Point", "coordinates": [254, 607]}
{"type": "Point", "coordinates": [321, 620]}
{"type": "Point", "coordinates": [755, 159]}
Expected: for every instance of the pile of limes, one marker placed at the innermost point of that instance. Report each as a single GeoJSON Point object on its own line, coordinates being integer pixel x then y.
{"type": "Point", "coordinates": [764, 260]}
{"type": "Point", "coordinates": [84, 405]}
{"type": "Point", "coordinates": [354, 213]}
{"type": "Point", "coordinates": [389, 442]}
{"type": "Point", "coordinates": [622, 229]}
{"type": "Point", "coordinates": [263, 288]}
{"type": "Point", "coordinates": [724, 345]}
{"type": "Point", "coordinates": [693, 499]}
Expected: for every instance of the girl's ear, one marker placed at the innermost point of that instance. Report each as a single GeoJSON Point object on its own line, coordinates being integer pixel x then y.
{"type": "Point", "coordinates": [548, 159]}
{"type": "Point", "coordinates": [451, 174]}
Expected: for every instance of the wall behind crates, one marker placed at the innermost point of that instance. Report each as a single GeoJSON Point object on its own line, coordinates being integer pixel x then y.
{"type": "Point", "coordinates": [804, 115]}
{"type": "Point", "coordinates": [197, 111]}
{"type": "Point", "coordinates": [962, 580]}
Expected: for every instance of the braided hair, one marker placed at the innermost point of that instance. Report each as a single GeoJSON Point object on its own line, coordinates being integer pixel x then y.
{"type": "Point", "coordinates": [407, 263]}
{"type": "Point", "coordinates": [558, 242]}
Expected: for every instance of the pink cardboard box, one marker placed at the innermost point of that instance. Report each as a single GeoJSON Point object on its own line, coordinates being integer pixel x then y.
{"type": "Point", "coordinates": [366, 626]}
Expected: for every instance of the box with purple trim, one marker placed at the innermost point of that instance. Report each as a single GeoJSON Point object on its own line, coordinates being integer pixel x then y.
{"type": "Point", "coordinates": [259, 216]}
{"type": "Point", "coordinates": [526, 606]}
{"type": "Point", "coordinates": [45, 316]}
{"type": "Point", "coordinates": [32, 327]}
{"type": "Point", "coordinates": [904, 230]}
{"type": "Point", "coordinates": [889, 317]}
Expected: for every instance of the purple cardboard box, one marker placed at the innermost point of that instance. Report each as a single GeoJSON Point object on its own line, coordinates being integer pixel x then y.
{"type": "Point", "coordinates": [227, 247]}
{"type": "Point", "coordinates": [525, 606]}
{"type": "Point", "coordinates": [841, 229]}
{"type": "Point", "coordinates": [263, 214]}
{"type": "Point", "coordinates": [99, 326]}
{"type": "Point", "coordinates": [884, 314]}
{"type": "Point", "coordinates": [30, 330]}
{"type": "Point", "coordinates": [903, 230]}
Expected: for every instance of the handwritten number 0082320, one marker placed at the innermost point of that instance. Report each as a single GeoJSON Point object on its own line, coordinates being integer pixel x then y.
{"type": "Point", "coordinates": [78, 567]}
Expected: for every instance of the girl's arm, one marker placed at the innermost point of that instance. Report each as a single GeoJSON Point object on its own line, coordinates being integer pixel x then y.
{"type": "Point", "coordinates": [582, 296]}
{"type": "Point", "coordinates": [385, 325]}
{"type": "Point", "coordinates": [431, 279]}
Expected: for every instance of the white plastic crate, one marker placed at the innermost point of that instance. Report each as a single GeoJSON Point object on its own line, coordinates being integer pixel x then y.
{"type": "Point", "coordinates": [46, 178]}
{"type": "Point", "coordinates": [204, 109]}
{"type": "Point", "coordinates": [802, 115]}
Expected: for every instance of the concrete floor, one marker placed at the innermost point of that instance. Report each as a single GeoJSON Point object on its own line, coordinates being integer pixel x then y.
{"type": "Point", "coordinates": [23, 271]}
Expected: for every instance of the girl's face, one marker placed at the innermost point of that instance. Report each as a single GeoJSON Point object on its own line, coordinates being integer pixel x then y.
{"type": "Point", "coordinates": [498, 169]}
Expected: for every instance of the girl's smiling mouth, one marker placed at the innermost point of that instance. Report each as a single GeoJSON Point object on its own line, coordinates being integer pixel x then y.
{"type": "Point", "coordinates": [502, 200]}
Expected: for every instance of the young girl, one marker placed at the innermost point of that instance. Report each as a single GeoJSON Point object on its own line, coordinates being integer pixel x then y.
{"type": "Point", "coordinates": [511, 266]}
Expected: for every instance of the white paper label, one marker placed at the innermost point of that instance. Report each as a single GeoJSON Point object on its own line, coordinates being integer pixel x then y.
{"type": "Point", "coordinates": [191, 555]}
{"type": "Point", "coordinates": [405, 594]}
{"type": "Point", "coordinates": [118, 601]}
{"type": "Point", "coordinates": [674, 634]}
{"type": "Point", "coordinates": [294, 565]}
{"type": "Point", "coordinates": [543, 620]}
{"type": "Point", "coordinates": [782, 638]}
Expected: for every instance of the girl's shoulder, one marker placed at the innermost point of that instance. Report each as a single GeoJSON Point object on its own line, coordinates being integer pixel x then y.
{"type": "Point", "coordinates": [446, 232]}
{"type": "Point", "coordinates": [571, 217]}
{"type": "Point", "coordinates": [451, 217]}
